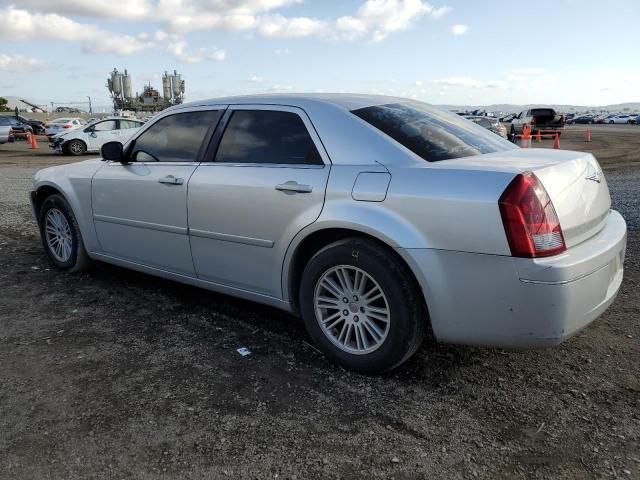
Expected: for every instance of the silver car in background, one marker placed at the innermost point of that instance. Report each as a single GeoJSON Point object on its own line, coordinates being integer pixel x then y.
{"type": "Point", "coordinates": [377, 219]}
{"type": "Point", "coordinates": [490, 123]}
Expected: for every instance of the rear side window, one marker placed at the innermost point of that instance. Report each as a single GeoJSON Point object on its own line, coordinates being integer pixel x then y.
{"type": "Point", "coordinates": [125, 124]}
{"type": "Point", "coordinates": [431, 133]}
{"type": "Point", "coordinates": [267, 136]}
{"type": "Point", "coordinates": [176, 138]}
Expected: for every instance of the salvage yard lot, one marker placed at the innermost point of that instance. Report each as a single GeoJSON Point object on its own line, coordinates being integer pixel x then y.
{"type": "Point", "coordinates": [115, 374]}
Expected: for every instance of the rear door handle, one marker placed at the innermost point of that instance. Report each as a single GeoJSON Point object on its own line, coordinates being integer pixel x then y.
{"type": "Point", "coordinates": [171, 180]}
{"type": "Point", "coordinates": [294, 187]}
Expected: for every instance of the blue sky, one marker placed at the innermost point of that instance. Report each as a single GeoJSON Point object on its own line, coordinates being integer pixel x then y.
{"type": "Point", "coordinates": [449, 52]}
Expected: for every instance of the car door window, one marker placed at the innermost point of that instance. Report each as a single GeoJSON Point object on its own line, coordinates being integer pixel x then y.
{"type": "Point", "coordinates": [175, 138]}
{"type": "Point", "coordinates": [267, 137]}
{"type": "Point", "coordinates": [105, 126]}
{"type": "Point", "coordinates": [125, 124]}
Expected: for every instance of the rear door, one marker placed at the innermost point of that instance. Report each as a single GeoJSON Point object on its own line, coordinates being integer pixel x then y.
{"type": "Point", "coordinates": [140, 209]}
{"type": "Point", "coordinates": [265, 182]}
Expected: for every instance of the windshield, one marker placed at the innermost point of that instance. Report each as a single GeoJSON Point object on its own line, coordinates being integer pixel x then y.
{"type": "Point", "coordinates": [431, 133]}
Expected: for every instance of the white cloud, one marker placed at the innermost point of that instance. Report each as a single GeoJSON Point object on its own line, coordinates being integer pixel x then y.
{"type": "Point", "coordinates": [459, 29]}
{"type": "Point", "coordinates": [440, 12]}
{"type": "Point", "coordinates": [19, 63]}
{"type": "Point", "coordinates": [256, 79]}
{"type": "Point", "coordinates": [123, 9]}
{"type": "Point", "coordinates": [19, 24]}
{"type": "Point", "coordinates": [178, 48]}
{"type": "Point", "coordinates": [528, 71]}
{"type": "Point", "coordinates": [379, 18]}
{"type": "Point", "coordinates": [283, 27]}
{"type": "Point", "coordinates": [470, 82]}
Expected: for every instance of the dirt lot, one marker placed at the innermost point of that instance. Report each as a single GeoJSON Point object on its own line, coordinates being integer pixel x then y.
{"type": "Point", "coordinates": [112, 374]}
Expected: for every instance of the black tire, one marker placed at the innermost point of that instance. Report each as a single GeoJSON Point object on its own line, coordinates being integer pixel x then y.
{"type": "Point", "coordinates": [75, 148]}
{"type": "Point", "coordinates": [78, 259]}
{"type": "Point", "coordinates": [408, 317]}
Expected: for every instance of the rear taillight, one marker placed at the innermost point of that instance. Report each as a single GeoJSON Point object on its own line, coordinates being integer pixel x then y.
{"type": "Point", "coordinates": [66, 126]}
{"type": "Point", "coordinates": [529, 218]}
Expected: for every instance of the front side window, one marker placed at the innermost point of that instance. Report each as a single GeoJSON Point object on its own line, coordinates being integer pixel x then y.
{"type": "Point", "coordinates": [431, 133]}
{"type": "Point", "coordinates": [105, 126]}
{"type": "Point", "coordinates": [267, 136]}
{"type": "Point", "coordinates": [176, 138]}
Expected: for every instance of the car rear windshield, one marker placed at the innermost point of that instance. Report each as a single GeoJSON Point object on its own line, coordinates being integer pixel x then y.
{"type": "Point", "coordinates": [431, 133]}
{"type": "Point", "coordinates": [543, 112]}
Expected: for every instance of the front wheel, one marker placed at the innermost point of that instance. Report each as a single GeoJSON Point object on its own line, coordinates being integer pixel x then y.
{"type": "Point", "coordinates": [61, 235]}
{"type": "Point", "coordinates": [361, 306]}
{"type": "Point", "coordinates": [76, 147]}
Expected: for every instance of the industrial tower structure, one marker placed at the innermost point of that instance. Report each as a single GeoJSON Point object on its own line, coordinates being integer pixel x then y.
{"type": "Point", "coordinates": [120, 89]}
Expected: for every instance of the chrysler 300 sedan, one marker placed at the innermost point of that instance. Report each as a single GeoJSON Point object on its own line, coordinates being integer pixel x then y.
{"type": "Point", "coordinates": [378, 220]}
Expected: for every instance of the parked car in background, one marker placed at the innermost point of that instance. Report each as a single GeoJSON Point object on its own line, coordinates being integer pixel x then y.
{"type": "Point", "coordinates": [581, 119]}
{"type": "Point", "coordinates": [537, 119]}
{"type": "Point", "coordinates": [36, 125]}
{"type": "Point", "coordinates": [620, 119]}
{"type": "Point", "coordinates": [508, 117]}
{"type": "Point", "coordinates": [59, 125]}
{"type": "Point", "coordinates": [6, 134]}
{"type": "Point", "coordinates": [378, 219]}
{"type": "Point", "coordinates": [94, 135]}
{"type": "Point", "coordinates": [17, 125]}
{"type": "Point", "coordinates": [490, 123]}
{"type": "Point", "coordinates": [636, 121]}
{"type": "Point", "coordinates": [568, 117]}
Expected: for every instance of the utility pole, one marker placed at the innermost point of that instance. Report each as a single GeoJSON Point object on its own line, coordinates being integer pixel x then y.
{"type": "Point", "coordinates": [90, 111]}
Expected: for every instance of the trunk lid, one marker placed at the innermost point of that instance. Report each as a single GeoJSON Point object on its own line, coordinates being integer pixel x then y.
{"type": "Point", "coordinates": [574, 181]}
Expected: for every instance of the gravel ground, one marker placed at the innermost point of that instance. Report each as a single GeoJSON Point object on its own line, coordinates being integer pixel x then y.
{"type": "Point", "coordinates": [113, 374]}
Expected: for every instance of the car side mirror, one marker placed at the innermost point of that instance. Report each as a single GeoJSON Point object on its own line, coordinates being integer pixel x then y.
{"type": "Point", "coordinates": [113, 151]}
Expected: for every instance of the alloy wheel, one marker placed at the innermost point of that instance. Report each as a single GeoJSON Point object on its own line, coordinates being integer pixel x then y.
{"type": "Point", "coordinates": [351, 309]}
{"type": "Point", "coordinates": [58, 235]}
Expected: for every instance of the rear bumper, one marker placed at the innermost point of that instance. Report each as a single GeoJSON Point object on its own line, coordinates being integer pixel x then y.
{"type": "Point", "coordinates": [502, 301]}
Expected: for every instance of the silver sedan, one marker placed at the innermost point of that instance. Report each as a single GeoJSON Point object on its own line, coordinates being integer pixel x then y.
{"type": "Point", "coordinates": [379, 220]}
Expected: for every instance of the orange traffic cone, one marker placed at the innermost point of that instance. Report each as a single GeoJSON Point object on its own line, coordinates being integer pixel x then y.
{"type": "Point", "coordinates": [556, 141]}
{"type": "Point", "coordinates": [587, 135]}
{"type": "Point", "coordinates": [33, 142]}
{"type": "Point", "coordinates": [538, 136]}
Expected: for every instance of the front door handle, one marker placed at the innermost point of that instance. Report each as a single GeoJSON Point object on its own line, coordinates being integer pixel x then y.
{"type": "Point", "coordinates": [294, 187]}
{"type": "Point", "coordinates": [171, 180]}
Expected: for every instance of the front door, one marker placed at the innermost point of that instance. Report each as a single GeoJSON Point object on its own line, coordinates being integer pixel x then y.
{"type": "Point", "coordinates": [100, 133]}
{"type": "Point", "coordinates": [266, 182]}
{"type": "Point", "coordinates": [140, 209]}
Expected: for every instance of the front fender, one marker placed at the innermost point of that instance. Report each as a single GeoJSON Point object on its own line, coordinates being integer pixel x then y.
{"type": "Point", "coordinates": [73, 181]}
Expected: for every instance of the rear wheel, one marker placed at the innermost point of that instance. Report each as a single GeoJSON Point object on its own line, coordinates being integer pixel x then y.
{"type": "Point", "coordinates": [76, 147]}
{"type": "Point", "coordinates": [361, 306]}
{"type": "Point", "coordinates": [61, 235]}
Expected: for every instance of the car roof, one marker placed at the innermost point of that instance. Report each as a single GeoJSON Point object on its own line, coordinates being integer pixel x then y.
{"type": "Point", "coordinates": [348, 101]}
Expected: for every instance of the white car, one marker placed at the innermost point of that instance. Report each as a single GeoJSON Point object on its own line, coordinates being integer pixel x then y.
{"type": "Point", "coordinates": [621, 119]}
{"type": "Point", "coordinates": [60, 125]}
{"type": "Point", "coordinates": [377, 219]}
{"type": "Point", "coordinates": [93, 136]}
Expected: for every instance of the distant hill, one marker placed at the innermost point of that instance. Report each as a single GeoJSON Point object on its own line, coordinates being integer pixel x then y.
{"type": "Point", "coordinates": [508, 107]}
